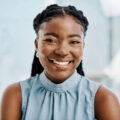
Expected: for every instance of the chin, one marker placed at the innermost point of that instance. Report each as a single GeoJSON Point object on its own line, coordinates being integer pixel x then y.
{"type": "Point", "coordinates": [60, 77]}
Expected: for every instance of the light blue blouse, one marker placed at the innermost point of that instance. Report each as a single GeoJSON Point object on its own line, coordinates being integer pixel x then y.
{"type": "Point", "coordinates": [71, 100]}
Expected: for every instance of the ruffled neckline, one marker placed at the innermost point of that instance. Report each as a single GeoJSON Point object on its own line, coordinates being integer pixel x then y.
{"type": "Point", "coordinates": [61, 87]}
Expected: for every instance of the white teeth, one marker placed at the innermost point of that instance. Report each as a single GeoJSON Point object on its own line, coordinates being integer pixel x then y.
{"type": "Point", "coordinates": [60, 63]}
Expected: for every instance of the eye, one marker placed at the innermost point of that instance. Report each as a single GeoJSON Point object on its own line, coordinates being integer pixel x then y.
{"type": "Point", "coordinates": [75, 42]}
{"type": "Point", "coordinates": [49, 40]}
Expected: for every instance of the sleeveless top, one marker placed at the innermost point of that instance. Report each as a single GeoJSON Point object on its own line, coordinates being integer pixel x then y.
{"type": "Point", "coordinates": [72, 99]}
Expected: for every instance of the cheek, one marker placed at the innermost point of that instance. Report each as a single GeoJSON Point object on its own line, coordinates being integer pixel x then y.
{"type": "Point", "coordinates": [43, 54]}
{"type": "Point", "coordinates": [45, 51]}
{"type": "Point", "coordinates": [78, 53]}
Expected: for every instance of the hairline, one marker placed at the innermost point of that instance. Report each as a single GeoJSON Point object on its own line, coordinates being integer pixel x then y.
{"type": "Point", "coordinates": [62, 15]}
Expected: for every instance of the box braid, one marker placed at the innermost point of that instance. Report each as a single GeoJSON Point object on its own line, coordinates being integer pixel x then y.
{"type": "Point", "coordinates": [46, 15]}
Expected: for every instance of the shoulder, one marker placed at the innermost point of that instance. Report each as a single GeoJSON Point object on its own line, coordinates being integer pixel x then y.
{"type": "Point", "coordinates": [106, 105]}
{"type": "Point", "coordinates": [13, 89]}
{"type": "Point", "coordinates": [12, 93]}
{"type": "Point", "coordinates": [11, 102]}
{"type": "Point", "coordinates": [90, 86]}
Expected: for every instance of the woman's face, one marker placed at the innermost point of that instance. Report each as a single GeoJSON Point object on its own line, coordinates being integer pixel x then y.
{"type": "Point", "coordinates": [60, 47]}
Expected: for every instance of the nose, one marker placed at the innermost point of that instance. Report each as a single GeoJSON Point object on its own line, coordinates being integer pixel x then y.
{"type": "Point", "coordinates": [62, 50]}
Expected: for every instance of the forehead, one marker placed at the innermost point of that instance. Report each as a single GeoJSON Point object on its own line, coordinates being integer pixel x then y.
{"type": "Point", "coordinates": [67, 24]}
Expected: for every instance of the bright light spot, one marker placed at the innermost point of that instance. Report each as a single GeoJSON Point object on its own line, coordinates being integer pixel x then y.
{"type": "Point", "coordinates": [111, 7]}
{"type": "Point", "coordinates": [49, 2]}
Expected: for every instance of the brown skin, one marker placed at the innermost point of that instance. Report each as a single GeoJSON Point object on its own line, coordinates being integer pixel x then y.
{"type": "Point", "coordinates": [61, 40]}
{"type": "Point", "coordinates": [11, 103]}
{"type": "Point", "coordinates": [106, 104]}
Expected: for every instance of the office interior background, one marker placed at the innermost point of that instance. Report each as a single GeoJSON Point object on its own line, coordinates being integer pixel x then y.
{"type": "Point", "coordinates": [101, 58]}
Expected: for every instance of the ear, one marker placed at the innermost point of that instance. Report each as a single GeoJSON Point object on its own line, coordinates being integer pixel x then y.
{"type": "Point", "coordinates": [36, 44]}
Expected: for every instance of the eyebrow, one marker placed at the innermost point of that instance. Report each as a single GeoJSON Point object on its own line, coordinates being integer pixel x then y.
{"type": "Point", "coordinates": [74, 35]}
{"type": "Point", "coordinates": [53, 34]}
{"type": "Point", "coordinates": [57, 36]}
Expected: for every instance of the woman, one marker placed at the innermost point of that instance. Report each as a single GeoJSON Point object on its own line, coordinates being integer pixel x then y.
{"type": "Point", "coordinates": [57, 89]}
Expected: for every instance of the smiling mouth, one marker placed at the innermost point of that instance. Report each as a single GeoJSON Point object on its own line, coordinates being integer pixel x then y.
{"type": "Point", "coordinates": [60, 63]}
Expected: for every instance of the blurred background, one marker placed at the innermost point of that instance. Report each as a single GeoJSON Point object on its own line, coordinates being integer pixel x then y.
{"type": "Point", "coordinates": [102, 43]}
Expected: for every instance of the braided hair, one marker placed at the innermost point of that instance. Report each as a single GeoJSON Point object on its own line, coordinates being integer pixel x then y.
{"type": "Point", "coordinates": [50, 12]}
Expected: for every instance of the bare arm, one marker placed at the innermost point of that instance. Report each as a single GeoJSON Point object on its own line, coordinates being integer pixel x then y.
{"type": "Point", "coordinates": [106, 105]}
{"type": "Point", "coordinates": [11, 103]}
